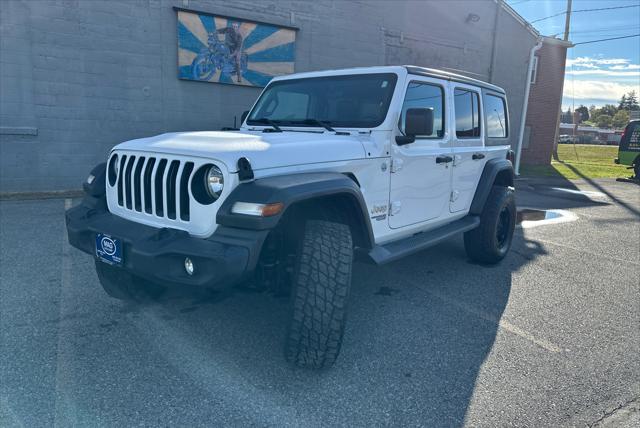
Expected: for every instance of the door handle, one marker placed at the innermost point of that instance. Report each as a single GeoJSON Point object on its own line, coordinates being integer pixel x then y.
{"type": "Point", "coordinates": [477, 156]}
{"type": "Point", "coordinates": [444, 159]}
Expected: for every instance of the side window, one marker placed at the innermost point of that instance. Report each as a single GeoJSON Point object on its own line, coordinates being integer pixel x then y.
{"type": "Point", "coordinates": [634, 137]}
{"type": "Point", "coordinates": [467, 106]}
{"type": "Point", "coordinates": [425, 95]}
{"type": "Point", "coordinates": [495, 111]}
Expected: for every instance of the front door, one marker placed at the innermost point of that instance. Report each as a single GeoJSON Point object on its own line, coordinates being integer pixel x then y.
{"type": "Point", "coordinates": [420, 175]}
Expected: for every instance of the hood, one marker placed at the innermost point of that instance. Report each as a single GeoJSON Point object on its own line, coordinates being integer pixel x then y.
{"type": "Point", "coordinates": [264, 150]}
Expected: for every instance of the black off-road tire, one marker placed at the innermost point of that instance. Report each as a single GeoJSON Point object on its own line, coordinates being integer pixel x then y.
{"type": "Point", "coordinates": [319, 296]}
{"type": "Point", "coordinates": [490, 242]}
{"type": "Point", "coordinates": [636, 168]}
{"type": "Point", "coordinates": [121, 285]}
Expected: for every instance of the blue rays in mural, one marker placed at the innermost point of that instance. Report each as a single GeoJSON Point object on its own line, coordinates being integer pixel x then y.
{"type": "Point", "coordinates": [225, 50]}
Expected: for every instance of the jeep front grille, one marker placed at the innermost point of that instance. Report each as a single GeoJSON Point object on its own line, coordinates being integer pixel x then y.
{"type": "Point", "coordinates": [155, 185]}
{"type": "Point", "coordinates": [155, 189]}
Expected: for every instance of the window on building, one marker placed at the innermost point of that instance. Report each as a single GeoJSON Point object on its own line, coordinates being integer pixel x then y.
{"type": "Point", "coordinates": [495, 110]}
{"type": "Point", "coordinates": [425, 95]}
{"type": "Point", "coordinates": [467, 106]}
{"type": "Point", "coordinates": [534, 69]}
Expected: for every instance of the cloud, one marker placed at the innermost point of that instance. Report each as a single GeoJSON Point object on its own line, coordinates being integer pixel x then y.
{"type": "Point", "coordinates": [626, 67]}
{"type": "Point", "coordinates": [597, 90]}
{"type": "Point", "coordinates": [605, 67]}
{"type": "Point", "coordinates": [611, 72]}
{"type": "Point", "coordinates": [589, 62]}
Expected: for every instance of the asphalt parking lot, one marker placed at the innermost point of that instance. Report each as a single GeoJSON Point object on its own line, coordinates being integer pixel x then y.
{"type": "Point", "coordinates": [550, 337]}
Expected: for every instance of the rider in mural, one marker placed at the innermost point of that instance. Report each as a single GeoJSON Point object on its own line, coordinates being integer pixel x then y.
{"type": "Point", "coordinates": [234, 40]}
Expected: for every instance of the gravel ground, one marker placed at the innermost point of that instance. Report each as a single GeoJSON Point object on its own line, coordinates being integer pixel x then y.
{"type": "Point", "coordinates": [550, 337]}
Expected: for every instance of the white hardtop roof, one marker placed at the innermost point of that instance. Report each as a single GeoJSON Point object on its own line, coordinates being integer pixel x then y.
{"type": "Point", "coordinates": [398, 69]}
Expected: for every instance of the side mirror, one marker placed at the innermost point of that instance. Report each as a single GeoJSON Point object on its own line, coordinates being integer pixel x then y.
{"type": "Point", "coordinates": [243, 116]}
{"type": "Point", "coordinates": [417, 121]}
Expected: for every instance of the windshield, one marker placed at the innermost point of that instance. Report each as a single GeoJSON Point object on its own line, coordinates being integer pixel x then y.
{"type": "Point", "coordinates": [351, 101]}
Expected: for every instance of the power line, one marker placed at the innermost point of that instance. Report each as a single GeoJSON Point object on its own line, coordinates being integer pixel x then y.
{"type": "Point", "coordinates": [607, 8]}
{"type": "Point", "coordinates": [548, 17]}
{"type": "Point", "coordinates": [602, 30]}
{"type": "Point", "coordinates": [604, 40]}
{"type": "Point", "coordinates": [585, 10]}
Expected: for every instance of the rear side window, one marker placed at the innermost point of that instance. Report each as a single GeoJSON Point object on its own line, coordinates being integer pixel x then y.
{"type": "Point", "coordinates": [425, 95]}
{"type": "Point", "coordinates": [467, 106]}
{"type": "Point", "coordinates": [495, 110]}
{"type": "Point", "coordinates": [631, 140]}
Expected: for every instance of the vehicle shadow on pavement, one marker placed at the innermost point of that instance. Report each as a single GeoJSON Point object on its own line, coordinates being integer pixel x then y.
{"type": "Point", "coordinates": [418, 334]}
{"type": "Point", "coordinates": [561, 193]}
{"type": "Point", "coordinates": [419, 331]}
{"type": "Point", "coordinates": [602, 189]}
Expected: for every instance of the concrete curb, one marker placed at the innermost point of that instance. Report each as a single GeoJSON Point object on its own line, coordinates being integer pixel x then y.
{"type": "Point", "coordinates": [55, 194]}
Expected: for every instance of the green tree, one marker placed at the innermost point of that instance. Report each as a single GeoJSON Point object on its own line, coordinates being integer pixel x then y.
{"type": "Point", "coordinates": [609, 109]}
{"type": "Point", "coordinates": [604, 121]}
{"type": "Point", "coordinates": [584, 113]}
{"type": "Point", "coordinates": [567, 116]}
{"type": "Point", "coordinates": [632, 101]}
{"type": "Point", "coordinates": [623, 102]}
{"type": "Point", "coordinates": [621, 119]}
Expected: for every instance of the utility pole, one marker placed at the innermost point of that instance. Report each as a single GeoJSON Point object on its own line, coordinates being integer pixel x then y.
{"type": "Point", "coordinates": [567, 26]}
{"type": "Point", "coordinates": [567, 21]}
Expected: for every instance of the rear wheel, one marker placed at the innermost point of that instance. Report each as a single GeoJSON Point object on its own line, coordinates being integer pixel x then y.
{"type": "Point", "coordinates": [321, 284]}
{"type": "Point", "coordinates": [121, 285]}
{"type": "Point", "coordinates": [490, 242]}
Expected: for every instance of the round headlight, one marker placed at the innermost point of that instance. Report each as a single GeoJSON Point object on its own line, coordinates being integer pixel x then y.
{"type": "Point", "coordinates": [112, 171]}
{"type": "Point", "coordinates": [214, 182]}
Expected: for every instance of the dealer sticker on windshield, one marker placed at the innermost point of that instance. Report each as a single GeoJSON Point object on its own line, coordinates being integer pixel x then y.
{"type": "Point", "coordinates": [108, 249]}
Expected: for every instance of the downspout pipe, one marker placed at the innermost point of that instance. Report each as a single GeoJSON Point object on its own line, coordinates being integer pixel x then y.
{"type": "Point", "coordinates": [525, 105]}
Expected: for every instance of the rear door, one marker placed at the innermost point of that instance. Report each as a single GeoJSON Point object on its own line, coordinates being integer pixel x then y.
{"type": "Point", "coordinates": [630, 144]}
{"type": "Point", "coordinates": [420, 183]}
{"type": "Point", "coordinates": [469, 154]}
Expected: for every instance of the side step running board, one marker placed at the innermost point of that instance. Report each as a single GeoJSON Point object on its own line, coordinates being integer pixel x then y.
{"type": "Point", "coordinates": [386, 253]}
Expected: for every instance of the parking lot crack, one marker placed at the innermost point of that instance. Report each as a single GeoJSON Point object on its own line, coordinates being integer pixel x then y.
{"type": "Point", "coordinates": [618, 415]}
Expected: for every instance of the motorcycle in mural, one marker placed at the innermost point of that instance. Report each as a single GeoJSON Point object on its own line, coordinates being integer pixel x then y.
{"type": "Point", "coordinates": [218, 56]}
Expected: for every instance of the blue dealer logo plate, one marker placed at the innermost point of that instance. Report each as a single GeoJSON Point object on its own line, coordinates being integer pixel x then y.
{"type": "Point", "coordinates": [108, 249]}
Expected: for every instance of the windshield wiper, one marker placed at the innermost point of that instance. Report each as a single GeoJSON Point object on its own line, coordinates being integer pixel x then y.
{"type": "Point", "coordinates": [312, 121]}
{"type": "Point", "coordinates": [269, 122]}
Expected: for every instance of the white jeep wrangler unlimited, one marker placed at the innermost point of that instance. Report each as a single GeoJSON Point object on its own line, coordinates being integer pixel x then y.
{"type": "Point", "coordinates": [380, 162]}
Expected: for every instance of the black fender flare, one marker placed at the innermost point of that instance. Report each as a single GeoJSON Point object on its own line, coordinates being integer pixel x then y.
{"type": "Point", "coordinates": [493, 169]}
{"type": "Point", "coordinates": [289, 190]}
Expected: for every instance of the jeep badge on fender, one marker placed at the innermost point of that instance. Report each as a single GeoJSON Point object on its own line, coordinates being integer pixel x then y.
{"type": "Point", "coordinates": [286, 200]}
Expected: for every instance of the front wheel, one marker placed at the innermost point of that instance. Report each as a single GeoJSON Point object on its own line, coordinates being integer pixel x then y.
{"type": "Point", "coordinates": [636, 169]}
{"type": "Point", "coordinates": [490, 242]}
{"type": "Point", "coordinates": [321, 284]}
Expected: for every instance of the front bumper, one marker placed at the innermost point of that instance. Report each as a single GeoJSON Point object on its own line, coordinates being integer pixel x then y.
{"type": "Point", "coordinates": [225, 258]}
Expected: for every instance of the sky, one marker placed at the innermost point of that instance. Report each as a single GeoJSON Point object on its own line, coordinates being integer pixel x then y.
{"type": "Point", "coordinates": [596, 73]}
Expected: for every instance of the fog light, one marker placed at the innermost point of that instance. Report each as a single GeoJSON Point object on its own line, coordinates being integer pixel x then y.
{"type": "Point", "coordinates": [188, 266]}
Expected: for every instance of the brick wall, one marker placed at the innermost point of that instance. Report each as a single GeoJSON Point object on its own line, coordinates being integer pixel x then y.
{"type": "Point", "coordinates": [544, 102]}
{"type": "Point", "coordinates": [80, 76]}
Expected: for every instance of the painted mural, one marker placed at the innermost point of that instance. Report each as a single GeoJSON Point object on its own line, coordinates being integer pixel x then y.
{"type": "Point", "coordinates": [227, 50]}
